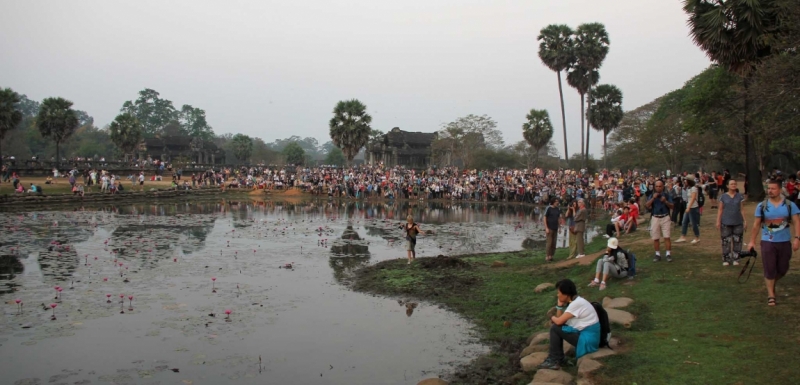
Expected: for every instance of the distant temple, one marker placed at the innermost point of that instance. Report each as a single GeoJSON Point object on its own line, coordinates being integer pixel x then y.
{"type": "Point", "coordinates": [168, 148]}
{"type": "Point", "coordinates": [402, 148]}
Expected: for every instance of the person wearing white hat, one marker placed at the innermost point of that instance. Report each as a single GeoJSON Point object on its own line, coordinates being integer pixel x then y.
{"type": "Point", "coordinates": [614, 263]}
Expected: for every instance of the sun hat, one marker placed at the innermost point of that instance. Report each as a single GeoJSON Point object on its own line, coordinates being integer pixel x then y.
{"type": "Point", "coordinates": [613, 243]}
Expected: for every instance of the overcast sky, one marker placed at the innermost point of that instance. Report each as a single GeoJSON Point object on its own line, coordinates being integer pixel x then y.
{"type": "Point", "coordinates": [272, 69]}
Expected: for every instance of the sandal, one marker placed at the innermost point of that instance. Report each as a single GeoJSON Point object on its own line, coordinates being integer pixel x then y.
{"type": "Point", "coordinates": [594, 284]}
{"type": "Point", "coordinates": [771, 301]}
{"type": "Point", "coordinates": [602, 286]}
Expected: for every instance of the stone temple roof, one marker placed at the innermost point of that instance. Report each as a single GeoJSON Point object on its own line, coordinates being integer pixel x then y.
{"type": "Point", "coordinates": [399, 138]}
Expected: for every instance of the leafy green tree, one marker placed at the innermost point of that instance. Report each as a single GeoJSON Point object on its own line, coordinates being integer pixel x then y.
{"type": "Point", "coordinates": [10, 115]}
{"type": "Point", "coordinates": [193, 121]}
{"type": "Point", "coordinates": [349, 127]}
{"type": "Point", "coordinates": [737, 34]}
{"type": "Point", "coordinates": [605, 112]}
{"type": "Point", "coordinates": [591, 49]}
{"type": "Point", "coordinates": [57, 121]}
{"type": "Point", "coordinates": [335, 157]}
{"type": "Point", "coordinates": [555, 51]}
{"type": "Point", "coordinates": [126, 133]}
{"type": "Point", "coordinates": [242, 147]}
{"type": "Point", "coordinates": [153, 112]}
{"type": "Point", "coordinates": [294, 154]}
{"type": "Point", "coordinates": [537, 131]}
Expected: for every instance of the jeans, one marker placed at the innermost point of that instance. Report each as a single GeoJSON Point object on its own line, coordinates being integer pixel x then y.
{"type": "Point", "coordinates": [694, 217]}
{"type": "Point", "coordinates": [557, 338]}
{"type": "Point", "coordinates": [677, 211]}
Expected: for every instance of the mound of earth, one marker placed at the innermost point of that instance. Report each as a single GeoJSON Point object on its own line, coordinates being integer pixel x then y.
{"type": "Point", "coordinates": [443, 262]}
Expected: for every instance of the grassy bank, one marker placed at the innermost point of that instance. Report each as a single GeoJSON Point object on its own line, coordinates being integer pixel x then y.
{"type": "Point", "coordinates": [695, 324]}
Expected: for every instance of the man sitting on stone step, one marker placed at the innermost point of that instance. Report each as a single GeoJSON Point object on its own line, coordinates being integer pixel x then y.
{"type": "Point", "coordinates": [576, 322]}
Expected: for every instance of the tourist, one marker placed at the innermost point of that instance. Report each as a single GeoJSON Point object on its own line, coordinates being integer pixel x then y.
{"type": "Point", "coordinates": [633, 218]}
{"type": "Point", "coordinates": [580, 228]}
{"type": "Point", "coordinates": [660, 204]}
{"type": "Point", "coordinates": [617, 222]}
{"type": "Point", "coordinates": [614, 263]}
{"type": "Point", "coordinates": [731, 223]}
{"type": "Point", "coordinates": [411, 230]}
{"type": "Point", "coordinates": [576, 322]}
{"type": "Point", "coordinates": [552, 219]}
{"type": "Point", "coordinates": [692, 211]}
{"type": "Point", "coordinates": [678, 202]}
{"type": "Point", "coordinates": [141, 180]}
{"type": "Point", "coordinates": [773, 220]}
{"type": "Point", "coordinates": [572, 208]}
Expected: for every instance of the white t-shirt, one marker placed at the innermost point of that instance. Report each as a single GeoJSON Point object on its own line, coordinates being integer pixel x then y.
{"type": "Point", "coordinates": [583, 313]}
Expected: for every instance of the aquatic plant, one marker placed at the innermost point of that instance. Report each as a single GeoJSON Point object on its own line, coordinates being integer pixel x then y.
{"type": "Point", "coordinates": [53, 306]}
{"type": "Point", "coordinates": [108, 296]}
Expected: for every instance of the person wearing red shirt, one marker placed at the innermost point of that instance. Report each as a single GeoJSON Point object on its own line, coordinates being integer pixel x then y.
{"type": "Point", "coordinates": [631, 224]}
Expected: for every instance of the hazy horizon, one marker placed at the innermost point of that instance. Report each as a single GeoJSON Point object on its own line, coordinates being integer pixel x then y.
{"type": "Point", "coordinates": [276, 69]}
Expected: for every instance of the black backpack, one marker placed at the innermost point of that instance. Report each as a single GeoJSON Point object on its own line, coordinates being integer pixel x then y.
{"type": "Point", "coordinates": [701, 199]}
{"type": "Point", "coordinates": [605, 326]}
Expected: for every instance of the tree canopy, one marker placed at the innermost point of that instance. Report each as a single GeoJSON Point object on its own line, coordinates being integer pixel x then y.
{"type": "Point", "coordinates": [242, 147]}
{"type": "Point", "coordinates": [10, 115]}
{"type": "Point", "coordinates": [126, 132]}
{"type": "Point", "coordinates": [294, 154]}
{"type": "Point", "coordinates": [349, 127]}
{"type": "Point", "coordinates": [57, 120]}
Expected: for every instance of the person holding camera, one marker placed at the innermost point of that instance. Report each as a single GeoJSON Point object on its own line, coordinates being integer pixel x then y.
{"type": "Point", "coordinates": [660, 205]}
{"type": "Point", "coordinates": [614, 263]}
{"type": "Point", "coordinates": [572, 209]}
{"type": "Point", "coordinates": [731, 223]}
{"type": "Point", "coordinates": [411, 229]}
{"type": "Point", "coordinates": [773, 219]}
{"type": "Point", "coordinates": [580, 228]}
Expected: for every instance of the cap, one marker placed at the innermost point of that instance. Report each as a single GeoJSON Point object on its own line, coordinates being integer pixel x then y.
{"type": "Point", "coordinates": [613, 243]}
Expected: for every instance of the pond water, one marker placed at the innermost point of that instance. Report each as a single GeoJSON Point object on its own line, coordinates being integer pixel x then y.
{"type": "Point", "coordinates": [278, 267]}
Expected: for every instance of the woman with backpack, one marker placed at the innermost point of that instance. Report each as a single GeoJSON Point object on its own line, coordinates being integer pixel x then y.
{"type": "Point", "coordinates": [576, 321]}
{"type": "Point", "coordinates": [614, 263]}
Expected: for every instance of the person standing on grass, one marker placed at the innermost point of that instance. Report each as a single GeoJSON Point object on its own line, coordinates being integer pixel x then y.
{"type": "Point", "coordinates": [660, 204]}
{"type": "Point", "coordinates": [580, 228]}
{"type": "Point", "coordinates": [692, 211]}
{"type": "Point", "coordinates": [575, 321]}
{"type": "Point", "coordinates": [141, 180]}
{"type": "Point", "coordinates": [552, 219]}
{"type": "Point", "coordinates": [572, 208]}
{"type": "Point", "coordinates": [731, 223]}
{"type": "Point", "coordinates": [774, 218]}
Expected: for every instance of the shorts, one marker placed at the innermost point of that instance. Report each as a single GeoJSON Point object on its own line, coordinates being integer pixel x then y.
{"type": "Point", "coordinates": [660, 227]}
{"type": "Point", "coordinates": [712, 193]}
{"type": "Point", "coordinates": [775, 257]}
{"type": "Point", "coordinates": [141, 183]}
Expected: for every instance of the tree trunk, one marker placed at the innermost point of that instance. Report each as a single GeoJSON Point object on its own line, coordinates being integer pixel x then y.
{"type": "Point", "coordinates": [588, 122]}
{"type": "Point", "coordinates": [563, 116]}
{"type": "Point", "coordinates": [755, 187]}
{"type": "Point", "coordinates": [605, 150]}
{"type": "Point", "coordinates": [582, 125]}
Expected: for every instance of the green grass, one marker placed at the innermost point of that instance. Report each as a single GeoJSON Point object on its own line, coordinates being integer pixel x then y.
{"type": "Point", "coordinates": [695, 324]}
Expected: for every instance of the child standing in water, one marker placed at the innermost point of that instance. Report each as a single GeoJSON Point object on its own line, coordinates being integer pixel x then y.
{"type": "Point", "coordinates": [412, 229]}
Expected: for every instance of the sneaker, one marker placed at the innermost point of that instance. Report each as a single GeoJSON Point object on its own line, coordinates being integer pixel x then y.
{"type": "Point", "coordinates": [656, 258]}
{"type": "Point", "coordinates": [735, 263]}
{"type": "Point", "coordinates": [695, 241]}
{"type": "Point", "coordinates": [549, 364]}
{"type": "Point", "coordinates": [680, 240]}
{"type": "Point", "coordinates": [725, 264]}
{"type": "Point", "coordinates": [606, 236]}
{"type": "Point", "coordinates": [580, 255]}
{"type": "Point", "coordinates": [669, 258]}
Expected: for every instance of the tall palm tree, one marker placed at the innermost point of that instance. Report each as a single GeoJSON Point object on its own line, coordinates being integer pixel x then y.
{"type": "Point", "coordinates": [605, 111]}
{"type": "Point", "coordinates": [736, 35]}
{"type": "Point", "coordinates": [349, 127]}
{"type": "Point", "coordinates": [126, 133]}
{"type": "Point", "coordinates": [10, 115]}
{"type": "Point", "coordinates": [56, 120]}
{"type": "Point", "coordinates": [591, 49]}
{"type": "Point", "coordinates": [555, 51]}
{"type": "Point", "coordinates": [580, 79]}
{"type": "Point", "coordinates": [537, 131]}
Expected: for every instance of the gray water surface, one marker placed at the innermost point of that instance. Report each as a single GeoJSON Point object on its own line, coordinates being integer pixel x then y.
{"type": "Point", "coordinates": [296, 325]}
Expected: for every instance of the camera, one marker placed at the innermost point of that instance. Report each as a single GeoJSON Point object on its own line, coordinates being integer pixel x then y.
{"type": "Point", "coordinates": [747, 254]}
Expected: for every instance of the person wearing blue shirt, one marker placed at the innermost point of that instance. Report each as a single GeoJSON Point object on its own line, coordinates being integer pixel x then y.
{"type": "Point", "coordinates": [660, 205]}
{"type": "Point", "coordinates": [773, 220]}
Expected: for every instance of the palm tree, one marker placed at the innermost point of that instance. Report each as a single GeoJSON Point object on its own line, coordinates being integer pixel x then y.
{"type": "Point", "coordinates": [242, 147]}
{"type": "Point", "coordinates": [350, 128]}
{"type": "Point", "coordinates": [126, 132]}
{"type": "Point", "coordinates": [56, 120]}
{"type": "Point", "coordinates": [579, 79]}
{"type": "Point", "coordinates": [537, 131]}
{"type": "Point", "coordinates": [736, 35]}
{"type": "Point", "coordinates": [555, 51]}
{"type": "Point", "coordinates": [605, 111]}
{"type": "Point", "coordinates": [591, 48]}
{"type": "Point", "coordinates": [10, 116]}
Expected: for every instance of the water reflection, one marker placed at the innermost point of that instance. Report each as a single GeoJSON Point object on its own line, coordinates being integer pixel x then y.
{"type": "Point", "coordinates": [10, 267]}
{"type": "Point", "coordinates": [348, 253]}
